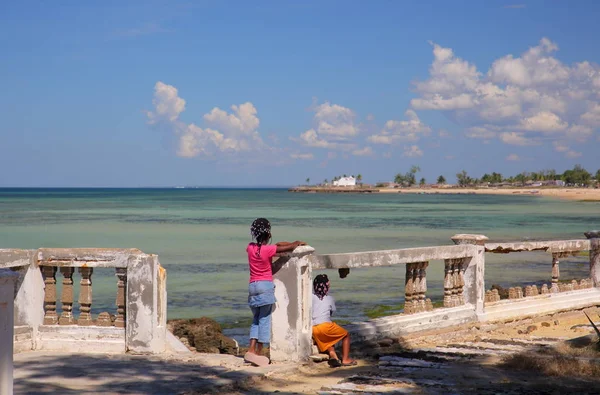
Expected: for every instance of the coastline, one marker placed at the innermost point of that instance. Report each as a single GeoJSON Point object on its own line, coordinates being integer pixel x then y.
{"type": "Point", "coordinates": [576, 194]}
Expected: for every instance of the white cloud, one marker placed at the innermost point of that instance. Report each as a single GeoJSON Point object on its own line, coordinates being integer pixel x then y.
{"type": "Point", "coordinates": [412, 151]}
{"type": "Point", "coordinates": [167, 104]}
{"type": "Point", "coordinates": [231, 133]}
{"type": "Point", "coordinates": [243, 120]}
{"type": "Point", "coordinates": [480, 132]}
{"type": "Point", "coordinates": [514, 138]}
{"type": "Point", "coordinates": [545, 122]}
{"type": "Point", "coordinates": [513, 157]}
{"type": "Point", "coordinates": [367, 151]}
{"type": "Point", "coordinates": [335, 120]}
{"type": "Point", "coordinates": [592, 116]}
{"type": "Point", "coordinates": [522, 100]}
{"type": "Point", "coordinates": [560, 146]}
{"type": "Point", "coordinates": [370, 117]}
{"type": "Point", "coordinates": [334, 126]}
{"type": "Point", "coordinates": [411, 129]}
{"type": "Point", "coordinates": [308, 156]}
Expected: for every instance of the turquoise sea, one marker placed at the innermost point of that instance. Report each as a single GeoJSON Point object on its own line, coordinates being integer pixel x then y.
{"type": "Point", "coordinates": [200, 236]}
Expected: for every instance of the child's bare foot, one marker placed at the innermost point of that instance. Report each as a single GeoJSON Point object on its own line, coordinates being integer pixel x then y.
{"type": "Point", "coordinates": [349, 362]}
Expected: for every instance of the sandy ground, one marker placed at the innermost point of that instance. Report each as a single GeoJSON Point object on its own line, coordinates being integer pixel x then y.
{"type": "Point", "coordinates": [561, 193]}
{"type": "Point", "coordinates": [472, 375]}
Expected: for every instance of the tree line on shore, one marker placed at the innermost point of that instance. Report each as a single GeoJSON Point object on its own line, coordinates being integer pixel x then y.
{"type": "Point", "coordinates": [578, 176]}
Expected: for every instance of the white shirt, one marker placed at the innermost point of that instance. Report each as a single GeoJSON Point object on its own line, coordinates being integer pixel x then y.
{"type": "Point", "coordinates": [322, 309]}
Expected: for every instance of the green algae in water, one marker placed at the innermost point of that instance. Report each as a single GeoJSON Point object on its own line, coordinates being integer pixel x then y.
{"type": "Point", "coordinates": [379, 311]}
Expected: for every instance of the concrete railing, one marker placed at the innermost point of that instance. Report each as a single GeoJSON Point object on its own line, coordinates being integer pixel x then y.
{"type": "Point", "coordinates": [139, 320]}
{"type": "Point", "coordinates": [466, 298]}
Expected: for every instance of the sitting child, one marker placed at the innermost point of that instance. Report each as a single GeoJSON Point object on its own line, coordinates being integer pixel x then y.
{"type": "Point", "coordinates": [326, 333]}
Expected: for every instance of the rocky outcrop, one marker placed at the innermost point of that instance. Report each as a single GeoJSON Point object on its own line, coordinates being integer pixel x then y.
{"type": "Point", "coordinates": [204, 335]}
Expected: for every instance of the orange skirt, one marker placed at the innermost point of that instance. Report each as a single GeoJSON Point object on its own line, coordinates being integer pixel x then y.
{"type": "Point", "coordinates": [327, 334]}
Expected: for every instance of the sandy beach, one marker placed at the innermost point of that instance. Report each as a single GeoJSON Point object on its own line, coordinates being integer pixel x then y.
{"type": "Point", "coordinates": [580, 194]}
{"type": "Point", "coordinates": [577, 194]}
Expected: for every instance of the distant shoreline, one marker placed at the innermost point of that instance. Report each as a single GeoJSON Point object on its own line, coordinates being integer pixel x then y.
{"type": "Point", "coordinates": [577, 194]}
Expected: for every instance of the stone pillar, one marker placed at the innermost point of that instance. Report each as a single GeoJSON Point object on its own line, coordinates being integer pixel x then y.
{"type": "Point", "coordinates": [7, 295]}
{"type": "Point", "coordinates": [594, 237]}
{"type": "Point", "coordinates": [474, 271]}
{"type": "Point", "coordinates": [66, 318]}
{"type": "Point", "coordinates": [555, 273]}
{"type": "Point", "coordinates": [291, 331]}
{"type": "Point", "coordinates": [121, 274]}
{"type": "Point", "coordinates": [85, 297]}
{"type": "Point", "coordinates": [29, 298]}
{"type": "Point", "coordinates": [146, 316]}
{"type": "Point", "coordinates": [49, 274]}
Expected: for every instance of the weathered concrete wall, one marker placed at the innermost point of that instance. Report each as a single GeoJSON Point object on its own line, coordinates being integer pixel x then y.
{"type": "Point", "coordinates": [29, 298]}
{"type": "Point", "coordinates": [594, 239]}
{"type": "Point", "coordinates": [291, 332]}
{"type": "Point", "coordinates": [7, 291]}
{"type": "Point", "coordinates": [541, 304]}
{"type": "Point", "coordinates": [146, 305]}
{"type": "Point", "coordinates": [389, 257]}
{"type": "Point", "coordinates": [474, 288]}
{"type": "Point", "coordinates": [84, 339]}
{"type": "Point", "coordinates": [399, 325]}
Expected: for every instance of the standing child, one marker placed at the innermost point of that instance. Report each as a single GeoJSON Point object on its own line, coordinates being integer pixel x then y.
{"type": "Point", "coordinates": [325, 332]}
{"type": "Point", "coordinates": [261, 291]}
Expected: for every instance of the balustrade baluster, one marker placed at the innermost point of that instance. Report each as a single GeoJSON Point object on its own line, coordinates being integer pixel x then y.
{"type": "Point", "coordinates": [66, 317]}
{"type": "Point", "coordinates": [49, 275]}
{"type": "Point", "coordinates": [423, 282]}
{"type": "Point", "coordinates": [455, 282]}
{"type": "Point", "coordinates": [85, 296]}
{"type": "Point", "coordinates": [448, 283]}
{"type": "Point", "coordinates": [555, 273]}
{"type": "Point", "coordinates": [461, 282]}
{"type": "Point", "coordinates": [121, 274]}
{"type": "Point", "coordinates": [408, 289]}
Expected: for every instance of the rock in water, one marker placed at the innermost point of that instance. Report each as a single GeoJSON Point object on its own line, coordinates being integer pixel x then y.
{"type": "Point", "coordinates": [204, 334]}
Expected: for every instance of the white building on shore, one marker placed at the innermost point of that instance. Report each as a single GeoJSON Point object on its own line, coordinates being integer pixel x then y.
{"type": "Point", "coordinates": [345, 182]}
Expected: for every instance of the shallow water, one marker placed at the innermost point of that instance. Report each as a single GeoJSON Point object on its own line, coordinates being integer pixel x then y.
{"type": "Point", "coordinates": [200, 236]}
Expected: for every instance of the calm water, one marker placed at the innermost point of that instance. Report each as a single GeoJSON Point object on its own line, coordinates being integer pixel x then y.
{"type": "Point", "coordinates": [200, 236]}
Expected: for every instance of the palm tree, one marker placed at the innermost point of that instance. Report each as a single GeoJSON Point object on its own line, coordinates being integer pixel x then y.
{"type": "Point", "coordinates": [441, 180]}
{"type": "Point", "coordinates": [307, 181]}
{"type": "Point", "coordinates": [359, 179]}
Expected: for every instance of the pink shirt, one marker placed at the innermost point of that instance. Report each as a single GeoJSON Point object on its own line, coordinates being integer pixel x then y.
{"type": "Point", "coordinates": [260, 266]}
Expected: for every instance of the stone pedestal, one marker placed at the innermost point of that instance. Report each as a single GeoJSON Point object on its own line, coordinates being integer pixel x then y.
{"type": "Point", "coordinates": [474, 271]}
{"type": "Point", "coordinates": [7, 295]}
{"type": "Point", "coordinates": [291, 331]}
{"type": "Point", "coordinates": [594, 237]}
{"type": "Point", "coordinates": [146, 307]}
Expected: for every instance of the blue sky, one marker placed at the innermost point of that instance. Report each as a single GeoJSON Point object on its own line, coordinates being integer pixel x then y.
{"type": "Point", "coordinates": [268, 93]}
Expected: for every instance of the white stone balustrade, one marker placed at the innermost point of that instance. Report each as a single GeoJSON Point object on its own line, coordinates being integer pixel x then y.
{"type": "Point", "coordinates": [139, 319]}
{"type": "Point", "coordinates": [464, 288]}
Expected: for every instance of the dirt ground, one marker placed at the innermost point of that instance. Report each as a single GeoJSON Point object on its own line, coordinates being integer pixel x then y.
{"type": "Point", "coordinates": [467, 360]}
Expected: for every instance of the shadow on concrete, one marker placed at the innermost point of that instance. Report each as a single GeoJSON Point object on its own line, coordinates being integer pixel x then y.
{"type": "Point", "coordinates": [116, 374]}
